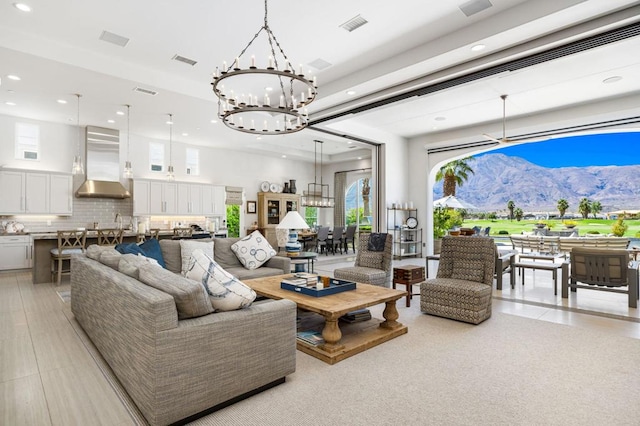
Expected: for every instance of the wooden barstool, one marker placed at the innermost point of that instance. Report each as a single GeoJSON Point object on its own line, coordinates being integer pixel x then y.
{"type": "Point", "coordinates": [109, 237]}
{"type": "Point", "coordinates": [69, 243]}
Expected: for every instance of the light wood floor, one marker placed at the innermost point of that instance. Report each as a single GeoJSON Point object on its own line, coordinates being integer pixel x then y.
{"type": "Point", "coordinates": [47, 376]}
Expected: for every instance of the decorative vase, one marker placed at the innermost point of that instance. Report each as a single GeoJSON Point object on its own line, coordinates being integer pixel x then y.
{"type": "Point", "coordinates": [286, 189]}
{"type": "Point", "coordinates": [292, 186]}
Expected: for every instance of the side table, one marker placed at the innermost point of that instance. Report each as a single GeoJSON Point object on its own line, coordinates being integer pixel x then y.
{"type": "Point", "coordinates": [302, 258]}
{"type": "Point", "coordinates": [408, 275]}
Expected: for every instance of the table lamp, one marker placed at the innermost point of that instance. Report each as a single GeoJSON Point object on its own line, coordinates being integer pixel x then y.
{"type": "Point", "coordinates": [293, 221]}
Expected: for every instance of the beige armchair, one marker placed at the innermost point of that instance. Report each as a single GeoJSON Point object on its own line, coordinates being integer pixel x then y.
{"type": "Point", "coordinates": [464, 283]}
{"type": "Point", "coordinates": [371, 267]}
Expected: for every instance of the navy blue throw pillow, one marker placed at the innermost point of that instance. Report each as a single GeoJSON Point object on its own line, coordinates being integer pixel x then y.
{"type": "Point", "coordinates": [150, 248]}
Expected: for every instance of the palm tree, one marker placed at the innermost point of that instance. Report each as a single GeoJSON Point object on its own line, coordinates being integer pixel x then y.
{"type": "Point", "coordinates": [562, 206]}
{"type": "Point", "coordinates": [519, 214]}
{"type": "Point", "coordinates": [584, 208]}
{"type": "Point", "coordinates": [454, 173]}
{"type": "Point", "coordinates": [511, 205]}
{"type": "Point", "coordinates": [596, 208]}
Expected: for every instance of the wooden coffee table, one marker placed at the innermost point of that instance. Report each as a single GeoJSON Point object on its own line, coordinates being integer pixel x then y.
{"type": "Point", "coordinates": [357, 337]}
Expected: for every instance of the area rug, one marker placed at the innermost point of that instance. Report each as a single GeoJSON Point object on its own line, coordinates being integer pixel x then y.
{"type": "Point", "coordinates": [65, 295]}
{"type": "Point", "coordinates": [508, 370]}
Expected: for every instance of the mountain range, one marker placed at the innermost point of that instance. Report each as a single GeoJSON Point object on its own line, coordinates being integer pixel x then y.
{"type": "Point", "coordinates": [499, 178]}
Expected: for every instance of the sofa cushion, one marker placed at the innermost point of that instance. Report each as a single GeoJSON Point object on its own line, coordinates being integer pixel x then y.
{"type": "Point", "coordinates": [150, 248]}
{"type": "Point", "coordinates": [253, 250]}
{"type": "Point", "coordinates": [226, 292]}
{"type": "Point", "coordinates": [171, 255]}
{"type": "Point", "coordinates": [130, 263]}
{"type": "Point", "coordinates": [94, 251]}
{"type": "Point", "coordinates": [188, 246]}
{"type": "Point", "coordinates": [190, 297]}
{"type": "Point", "coordinates": [223, 254]}
{"type": "Point", "coordinates": [110, 257]}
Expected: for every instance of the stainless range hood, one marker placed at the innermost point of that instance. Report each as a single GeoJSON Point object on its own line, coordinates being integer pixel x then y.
{"type": "Point", "coordinates": [103, 165]}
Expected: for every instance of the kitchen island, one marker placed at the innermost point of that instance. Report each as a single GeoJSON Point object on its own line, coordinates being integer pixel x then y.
{"type": "Point", "coordinates": [43, 242]}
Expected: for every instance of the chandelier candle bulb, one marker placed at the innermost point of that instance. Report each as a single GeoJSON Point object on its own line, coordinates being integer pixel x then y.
{"type": "Point", "coordinates": [253, 61]}
{"type": "Point", "coordinates": [236, 64]}
{"type": "Point", "coordinates": [253, 125]}
{"type": "Point", "coordinates": [301, 73]}
{"type": "Point", "coordinates": [264, 127]}
{"type": "Point", "coordinates": [281, 101]}
{"type": "Point", "coordinates": [270, 63]}
{"type": "Point", "coordinates": [240, 122]}
{"type": "Point", "coordinates": [224, 67]}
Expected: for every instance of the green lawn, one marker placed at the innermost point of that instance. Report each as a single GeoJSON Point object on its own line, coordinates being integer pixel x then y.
{"type": "Point", "coordinates": [602, 226]}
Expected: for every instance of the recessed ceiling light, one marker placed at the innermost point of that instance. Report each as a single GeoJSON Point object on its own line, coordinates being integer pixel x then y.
{"type": "Point", "coordinates": [351, 92]}
{"type": "Point", "coordinates": [169, 122]}
{"type": "Point", "coordinates": [23, 7]}
{"type": "Point", "coordinates": [349, 142]}
{"type": "Point", "coordinates": [10, 103]}
{"type": "Point", "coordinates": [259, 138]}
{"type": "Point", "coordinates": [13, 77]}
{"type": "Point", "coordinates": [359, 158]}
{"type": "Point", "coordinates": [440, 118]}
{"type": "Point", "coordinates": [119, 113]}
{"type": "Point", "coordinates": [214, 121]}
{"type": "Point", "coordinates": [268, 89]}
{"type": "Point", "coordinates": [185, 134]}
{"type": "Point", "coordinates": [613, 79]}
{"type": "Point", "coordinates": [478, 47]}
{"type": "Point", "coordinates": [111, 121]}
{"type": "Point", "coordinates": [284, 156]}
{"type": "Point", "coordinates": [61, 101]}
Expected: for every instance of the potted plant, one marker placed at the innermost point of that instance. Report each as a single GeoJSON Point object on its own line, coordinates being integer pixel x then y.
{"type": "Point", "coordinates": [569, 224]}
{"type": "Point", "coordinates": [440, 226]}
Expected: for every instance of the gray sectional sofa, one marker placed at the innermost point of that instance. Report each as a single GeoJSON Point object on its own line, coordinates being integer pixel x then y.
{"type": "Point", "coordinates": [172, 360]}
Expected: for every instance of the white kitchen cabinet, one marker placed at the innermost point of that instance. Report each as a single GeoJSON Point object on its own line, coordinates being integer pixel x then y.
{"type": "Point", "coordinates": [16, 252]}
{"type": "Point", "coordinates": [141, 198]}
{"type": "Point", "coordinates": [27, 192]}
{"type": "Point", "coordinates": [189, 198]}
{"type": "Point", "coordinates": [61, 195]}
{"type": "Point", "coordinates": [12, 187]}
{"type": "Point", "coordinates": [219, 206]}
{"type": "Point", "coordinates": [163, 198]}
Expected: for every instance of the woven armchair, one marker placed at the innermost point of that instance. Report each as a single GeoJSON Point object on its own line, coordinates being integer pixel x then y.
{"type": "Point", "coordinates": [371, 267]}
{"type": "Point", "coordinates": [462, 288]}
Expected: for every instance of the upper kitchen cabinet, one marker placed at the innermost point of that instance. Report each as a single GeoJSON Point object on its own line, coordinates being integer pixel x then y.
{"type": "Point", "coordinates": [27, 192]}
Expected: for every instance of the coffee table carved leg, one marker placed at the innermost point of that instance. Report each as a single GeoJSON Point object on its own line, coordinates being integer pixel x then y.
{"type": "Point", "coordinates": [331, 334]}
{"type": "Point", "coordinates": [390, 315]}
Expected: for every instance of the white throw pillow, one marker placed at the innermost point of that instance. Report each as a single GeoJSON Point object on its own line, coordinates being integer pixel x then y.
{"type": "Point", "coordinates": [226, 292]}
{"type": "Point", "coordinates": [188, 246]}
{"type": "Point", "coordinates": [253, 250]}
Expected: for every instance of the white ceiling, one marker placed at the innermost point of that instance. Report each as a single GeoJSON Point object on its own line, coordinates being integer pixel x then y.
{"type": "Point", "coordinates": [56, 51]}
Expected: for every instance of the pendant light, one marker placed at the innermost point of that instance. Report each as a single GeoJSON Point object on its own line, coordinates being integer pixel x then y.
{"type": "Point", "coordinates": [127, 173]}
{"type": "Point", "coordinates": [170, 175]}
{"type": "Point", "coordinates": [78, 168]}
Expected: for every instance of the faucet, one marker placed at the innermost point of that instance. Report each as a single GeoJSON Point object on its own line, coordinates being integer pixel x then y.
{"type": "Point", "coordinates": [118, 220]}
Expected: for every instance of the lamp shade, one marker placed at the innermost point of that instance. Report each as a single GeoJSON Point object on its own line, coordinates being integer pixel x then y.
{"type": "Point", "coordinates": [293, 220]}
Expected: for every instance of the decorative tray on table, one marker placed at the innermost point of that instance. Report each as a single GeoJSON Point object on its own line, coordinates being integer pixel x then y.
{"type": "Point", "coordinates": [308, 284]}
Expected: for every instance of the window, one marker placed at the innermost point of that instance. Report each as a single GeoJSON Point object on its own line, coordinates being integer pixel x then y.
{"type": "Point", "coordinates": [311, 216]}
{"type": "Point", "coordinates": [156, 156]}
{"type": "Point", "coordinates": [27, 141]}
{"type": "Point", "coordinates": [193, 161]}
{"type": "Point", "coordinates": [357, 204]}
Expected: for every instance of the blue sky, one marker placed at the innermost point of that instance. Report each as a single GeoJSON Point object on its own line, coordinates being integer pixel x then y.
{"type": "Point", "coordinates": [607, 149]}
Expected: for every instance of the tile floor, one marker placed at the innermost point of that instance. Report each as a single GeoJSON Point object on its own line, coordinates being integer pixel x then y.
{"type": "Point", "coordinates": [47, 377]}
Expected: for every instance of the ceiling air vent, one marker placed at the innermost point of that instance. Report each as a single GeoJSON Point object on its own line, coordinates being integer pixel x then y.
{"type": "Point", "coordinates": [474, 6]}
{"type": "Point", "coordinates": [188, 61]}
{"type": "Point", "coordinates": [320, 64]}
{"type": "Point", "coordinates": [145, 91]}
{"type": "Point", "coordinates": [114, 38]}
{"type": "Point", "coordinates": [354, 23]}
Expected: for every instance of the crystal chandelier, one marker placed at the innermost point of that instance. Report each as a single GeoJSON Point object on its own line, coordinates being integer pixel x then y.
{"type": "Point", "coordinates": [317, 194]}
{"type": "Point", "coordinates": [77, 168]}
{"type": "Point", "coordinates": [170, 175]}
{"type": "Point", "coordinates": [265, 101]}
{"type": "Point", "coordinates": [127, 173]}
